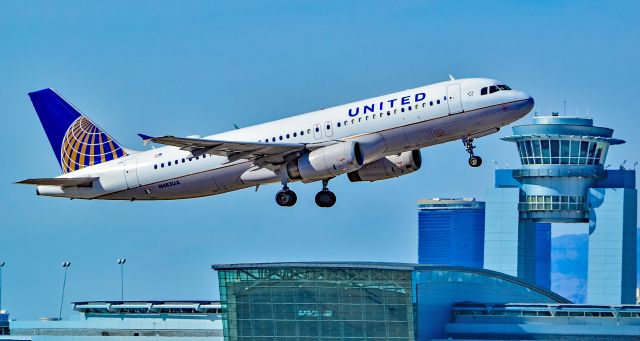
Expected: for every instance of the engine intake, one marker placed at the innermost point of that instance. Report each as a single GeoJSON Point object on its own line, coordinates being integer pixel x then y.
{"type": "Point", "coordinates": [388, 167]}
{"type": "Point", "coordinates": [327, 162]}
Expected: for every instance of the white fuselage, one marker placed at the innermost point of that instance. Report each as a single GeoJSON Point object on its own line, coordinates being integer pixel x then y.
{"type": "Point", "coordinates": [382, 125]}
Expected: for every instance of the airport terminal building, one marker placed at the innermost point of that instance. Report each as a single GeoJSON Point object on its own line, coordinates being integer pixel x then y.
{"type": "Point", "coordinates": [379, 301]}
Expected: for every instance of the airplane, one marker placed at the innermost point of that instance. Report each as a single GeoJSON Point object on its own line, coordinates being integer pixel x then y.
{"type": "Point", "coordinates": [370, 140]}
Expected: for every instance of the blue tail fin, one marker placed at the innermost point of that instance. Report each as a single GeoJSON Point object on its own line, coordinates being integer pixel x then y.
{"type": "Point", "coordinates": [76, 141]}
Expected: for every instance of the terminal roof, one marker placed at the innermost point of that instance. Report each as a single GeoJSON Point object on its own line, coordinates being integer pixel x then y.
{"type": "Point", "coordinates": [344, 265]}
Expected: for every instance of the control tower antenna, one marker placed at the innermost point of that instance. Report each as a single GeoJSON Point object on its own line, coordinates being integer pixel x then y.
{"type": "Point", "coordinates": [564, 107]}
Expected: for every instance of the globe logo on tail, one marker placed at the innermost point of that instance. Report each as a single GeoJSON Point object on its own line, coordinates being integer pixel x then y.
{"type": "Point", "coordinates": [84, 144]}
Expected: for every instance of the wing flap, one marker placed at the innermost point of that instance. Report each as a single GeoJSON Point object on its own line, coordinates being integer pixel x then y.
{"type": "Point", "coordinates": [62, 182]}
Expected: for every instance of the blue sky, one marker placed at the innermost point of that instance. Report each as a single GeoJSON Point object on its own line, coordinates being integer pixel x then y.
{"type": "Point", "coordinates": [199, 67]}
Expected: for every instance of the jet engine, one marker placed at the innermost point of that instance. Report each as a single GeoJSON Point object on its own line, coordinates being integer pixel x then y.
{"type": "Point", "coordinates": [327, 162]}
{"type": "Point", "coordinates": [388, 167]}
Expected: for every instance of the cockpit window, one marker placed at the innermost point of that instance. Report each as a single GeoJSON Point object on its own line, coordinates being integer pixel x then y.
{"type": "Point", "coordinates": [503, 87]}
{"type": "Point", "coordinates": [493, 89]}
{"type": "Point", "coordinates": [483, 91]}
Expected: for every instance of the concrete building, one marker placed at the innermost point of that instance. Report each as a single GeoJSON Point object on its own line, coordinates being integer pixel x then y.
{"type": "Point", "coordinates": [451, 232]}
{"type": "Point", "coordinates": [563, 179]}
{"type": "Point", "coordinates": [130, 320]}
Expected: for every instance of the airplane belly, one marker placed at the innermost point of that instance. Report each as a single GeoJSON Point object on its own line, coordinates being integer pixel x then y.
{"type": "Point", "coordinates": [210, 182]}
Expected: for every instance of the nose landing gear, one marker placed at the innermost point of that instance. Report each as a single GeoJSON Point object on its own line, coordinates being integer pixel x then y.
{"type": "Point", "coordinates": [474, 160]}
{"type": "Point", "coordinates": [325, 198]}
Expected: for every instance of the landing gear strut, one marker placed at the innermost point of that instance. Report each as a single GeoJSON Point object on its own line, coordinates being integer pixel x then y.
{"type": "Point", "coordinates": [325, 198]}
{"type": "Point", "coordinates": [474, 161]}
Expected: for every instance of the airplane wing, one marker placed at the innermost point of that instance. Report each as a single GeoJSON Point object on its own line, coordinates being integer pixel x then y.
{"type": "Point", "coordinates": [259, 152]}
{"type": "Point", "coordinates": [63, 182]}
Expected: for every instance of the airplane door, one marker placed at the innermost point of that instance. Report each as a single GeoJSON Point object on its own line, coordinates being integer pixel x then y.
{"type": "Point", "coordinates": [131, 173]}
{"type": "Point", "coordinates": [328, 129]}
{"type": "Point", "coordinates": [317, 131]}
{"type": "Point", "coordinates": [454, 100]}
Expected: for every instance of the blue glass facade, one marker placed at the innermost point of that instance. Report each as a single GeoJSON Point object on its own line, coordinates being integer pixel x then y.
{"type": "Point", "coordinates": [4, 324]}
{"type": "Point", "coordinates": [451, 232]}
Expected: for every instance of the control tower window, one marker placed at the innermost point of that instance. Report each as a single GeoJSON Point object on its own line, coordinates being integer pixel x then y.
{"type": "Point", "coordinates": [493, 89]}
{"type": "Point", "coordinates": [584, 147]}
{"type": "Point", "coordinates": [536, 151]}
{"type": "Point", "coordinates": [592, 152]}
{"type": "Point", "coordinates": [543, 151]}
{"type": "Point", "coordinates": [575, 152]}
{"type": "Point", "coordinates": [555, 152]}
{"type": "Point", "coordinates": [546, 156]}
{"type": "Point", "coordinates": [564, 151]}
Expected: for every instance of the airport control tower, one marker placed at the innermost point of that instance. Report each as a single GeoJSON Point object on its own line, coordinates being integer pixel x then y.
{"type": "Point", "coordinates": [564, 179]}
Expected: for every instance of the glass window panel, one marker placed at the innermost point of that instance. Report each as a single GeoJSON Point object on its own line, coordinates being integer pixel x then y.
{"type": "Point", "coordinates": [536, 148]}
{"type": "Point", "coordinates": [605, 148]}
{"type": "Point", "coordinates": [555, 148]}
{"type": "Point", "coordinates": [575, 152]}
{"type": "Point", "coordinates": [536, 151]}
{"type": "Point", "coordinates": [592, 149]}
{"type": "Point", "coordinates": [584, 147]}
{"type": "Point", "coordinates": [521, 149]}
{"type": "Point", "coordinates": [575, 148]}
{"type": "Point", "coordinates": [598, 160]}
{"type": "Point", "coordinates": [564, 151]}
{"type": "Point", "coordinates": [528, 148]}
{"type": "Point", "coordinates": [546, 153]}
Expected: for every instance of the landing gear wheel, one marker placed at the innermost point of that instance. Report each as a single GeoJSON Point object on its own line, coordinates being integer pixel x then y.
{"type": "Point", "coordinates": [325, 198]}
{"type": "Point", "coordinates": [475, 161]}
{"type": "Point", "coordinates": [286, 197]}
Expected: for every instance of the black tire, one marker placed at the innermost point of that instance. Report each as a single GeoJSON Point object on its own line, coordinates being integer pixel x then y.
{"type": "Point", "coordinates": [325, 198]}
{"type": "Point", "coordinates": [286, 198]}
{"type": "Point", "coordinates": [475, 161]}
{"type": "Point", "coordinates": [294, 198]}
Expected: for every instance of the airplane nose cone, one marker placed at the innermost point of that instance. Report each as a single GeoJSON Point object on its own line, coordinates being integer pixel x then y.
{"type": "Point", "coordinates": [530, 102]}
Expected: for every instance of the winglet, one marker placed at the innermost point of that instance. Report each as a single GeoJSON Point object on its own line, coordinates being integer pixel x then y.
{"type": "Point", "coordinates": [451, 77]}
{"type": "Point", "coordinates": [145, 138]}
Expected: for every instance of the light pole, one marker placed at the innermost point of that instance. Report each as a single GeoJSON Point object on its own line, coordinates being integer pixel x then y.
{"type": "Point", "coordinates": [121, 262]}
{"type": "Point", "coordinates": [65, 266]}
{"type": "Point", "coordinates": [1, 266]}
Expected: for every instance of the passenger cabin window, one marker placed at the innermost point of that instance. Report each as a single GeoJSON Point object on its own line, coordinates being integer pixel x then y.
{"type": "Point", "coordinates": [483, 91]}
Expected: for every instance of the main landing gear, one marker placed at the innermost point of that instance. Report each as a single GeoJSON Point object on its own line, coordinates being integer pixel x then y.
{"type": "Point", "coordinates": [474, 160]}
{"type": "Point", "coordinates": [325, 198]}
{"type": "Point", "coordinates": [286, 197]}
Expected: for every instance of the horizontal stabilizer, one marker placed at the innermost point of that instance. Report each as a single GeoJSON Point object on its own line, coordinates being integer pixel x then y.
{"type": "Point", "coordinates": [62, 182]}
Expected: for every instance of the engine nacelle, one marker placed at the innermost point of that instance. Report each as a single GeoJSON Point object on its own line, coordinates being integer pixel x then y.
{"type": "Point", "coordinates": [388, 167]}
{"type": "Point", "coordinates": [326, 162]}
